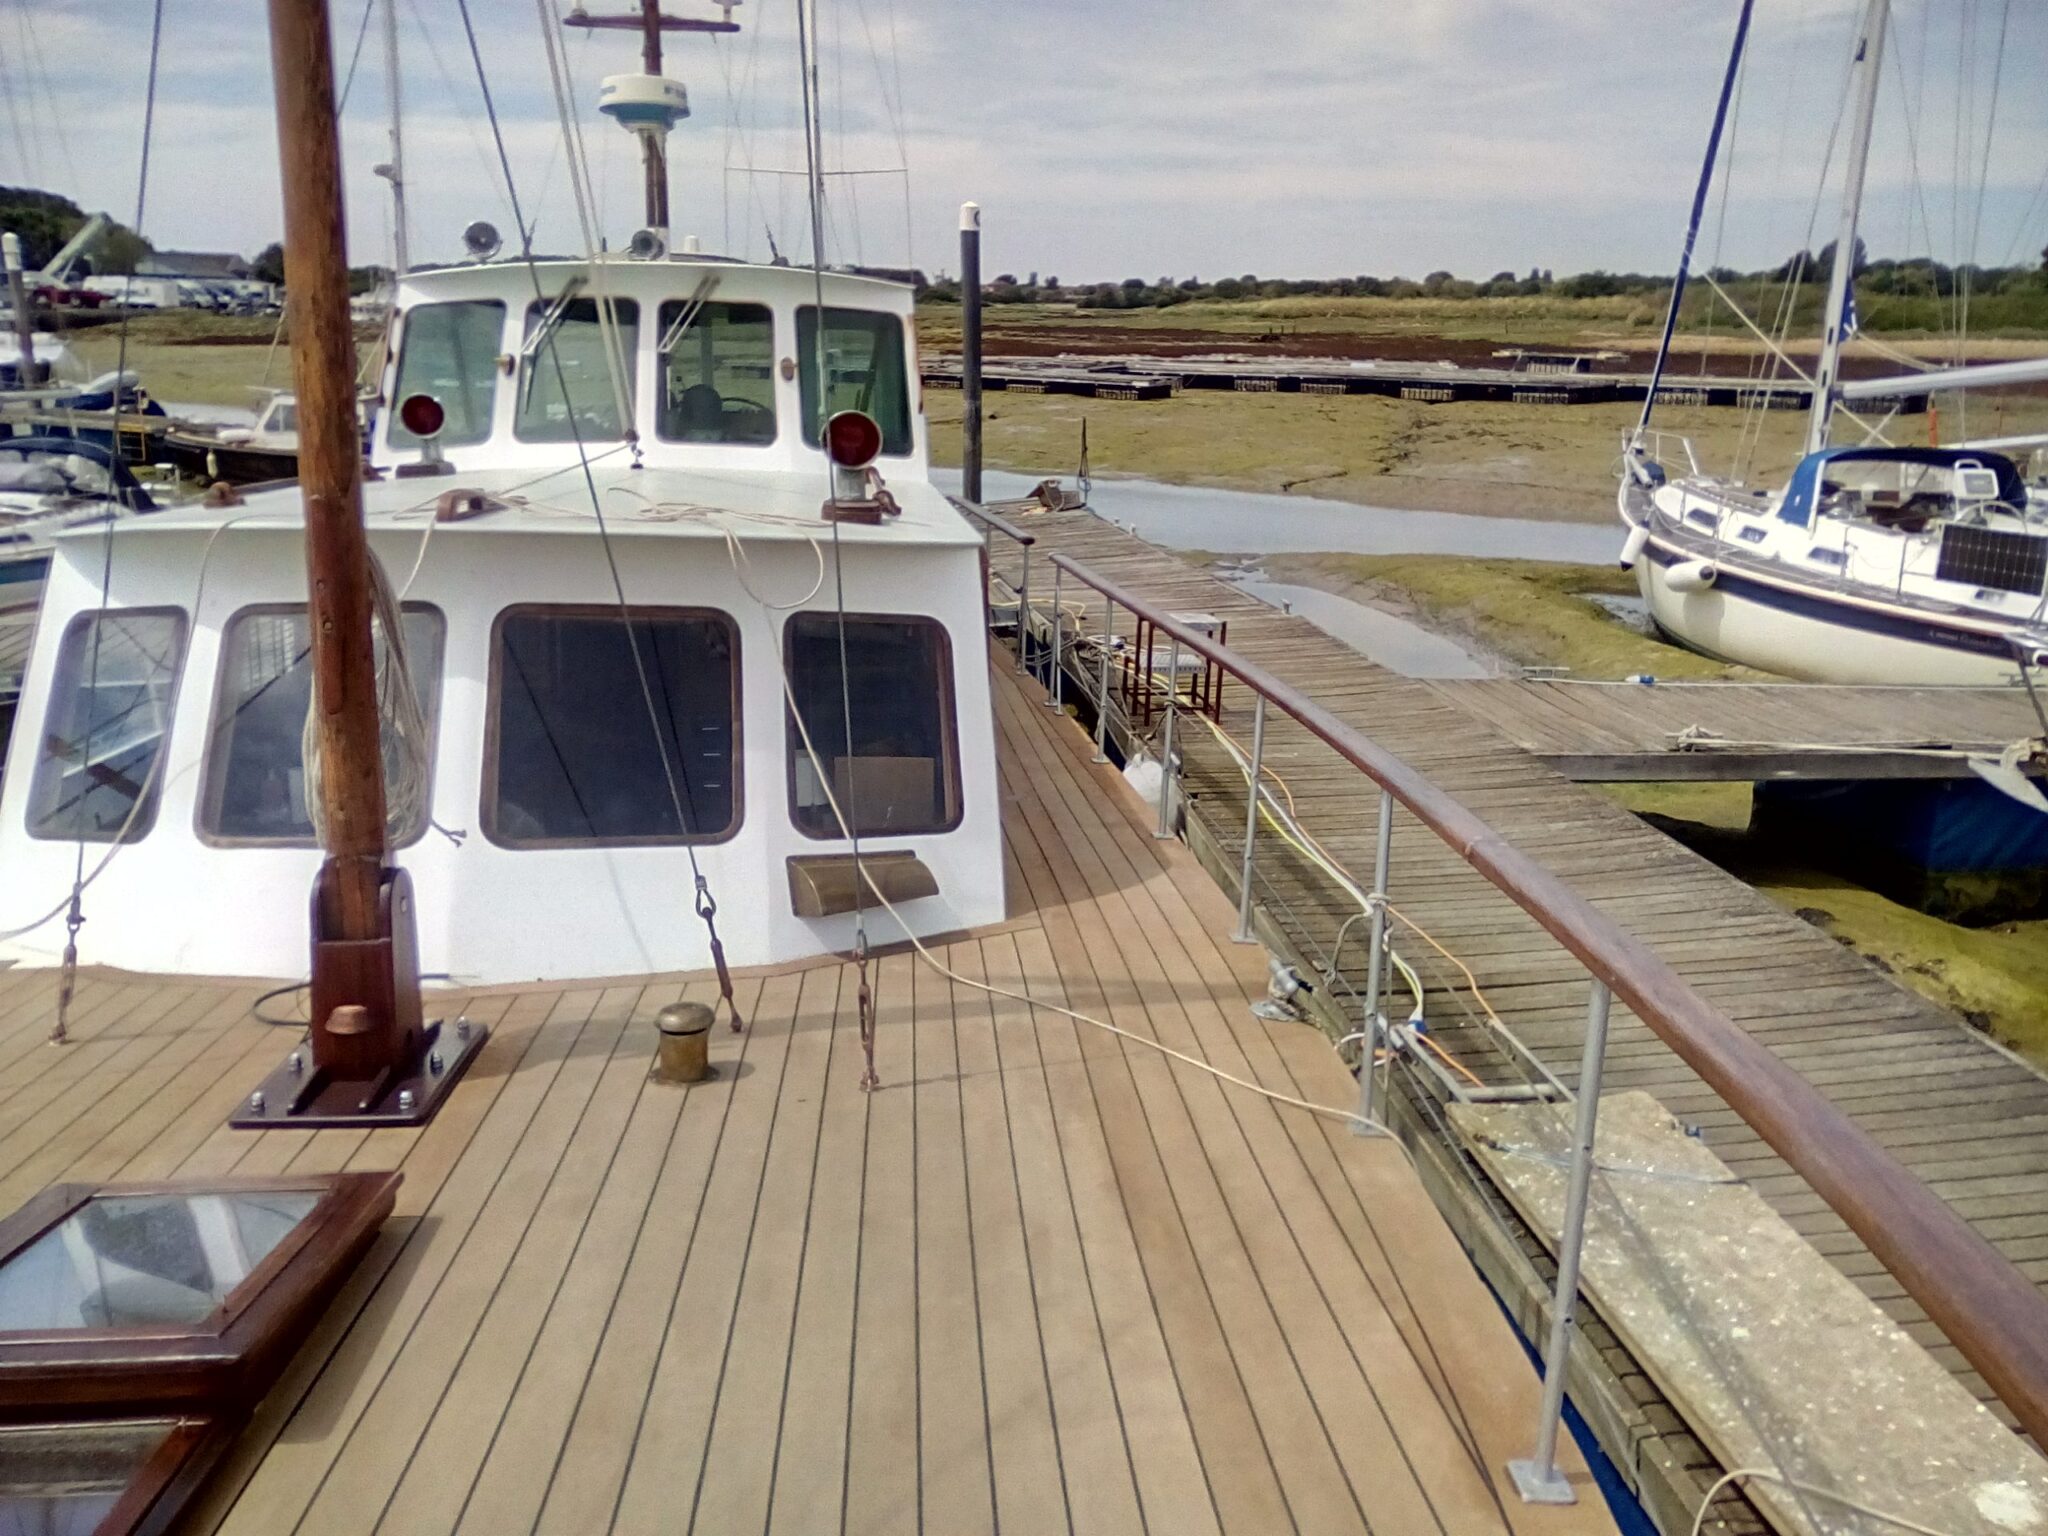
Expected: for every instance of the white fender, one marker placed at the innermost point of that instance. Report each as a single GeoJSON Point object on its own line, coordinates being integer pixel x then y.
{"type": "Point", "coordinates": [1691, 576]}
{"type": "Point", "coordinates": [1632, 546]}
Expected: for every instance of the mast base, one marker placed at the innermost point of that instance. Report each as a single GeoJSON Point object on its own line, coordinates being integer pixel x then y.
{"type": "Point", "coordinates": [301, 1096]}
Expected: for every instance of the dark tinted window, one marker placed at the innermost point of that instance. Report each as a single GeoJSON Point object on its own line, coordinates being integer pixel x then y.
{"type": "Point", "coordinates": [576, 757]}
{"type": "Point", "coordinates": [450, 351]}
{"type": "Point", "coordinates": [255, 761]}
{"type": "Point", "coordinates": [864, 365]}
{"type": "Point", "coordinates": [903, 775]}
{"type": "Point", "coordinates": [565, 381]}
{"type": "Point", "coordinates": [96, 774]}
{"type": "Point", "coordinates": [717, 373]}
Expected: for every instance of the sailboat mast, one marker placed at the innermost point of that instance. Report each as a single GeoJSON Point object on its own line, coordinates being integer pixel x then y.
{"type": "Point", "coordinates": [396, 170]}
{"type": "Point", "coordinates": [330, 465]}
{"type": "Point", "coordinates": [1827, 378]}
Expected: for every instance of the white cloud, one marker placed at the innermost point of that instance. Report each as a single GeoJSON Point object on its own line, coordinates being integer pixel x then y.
{"type": "Point", "coordinates": [1104, 137]}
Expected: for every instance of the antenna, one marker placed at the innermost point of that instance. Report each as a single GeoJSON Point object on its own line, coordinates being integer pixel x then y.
{"type": "Point", "coordinates": [648, 104]}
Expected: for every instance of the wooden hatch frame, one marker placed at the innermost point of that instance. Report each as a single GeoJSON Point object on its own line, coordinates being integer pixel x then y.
{"type": "Point", "coordinates": [220, 1364]}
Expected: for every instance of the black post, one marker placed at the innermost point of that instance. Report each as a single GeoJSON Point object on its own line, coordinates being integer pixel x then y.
{"type": "Point", "coordinates": [970, 351]}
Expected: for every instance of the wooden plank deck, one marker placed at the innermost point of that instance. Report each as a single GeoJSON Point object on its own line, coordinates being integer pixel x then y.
{"type": "Point", "coordinates": [1044, 1280]}
{"type": "Point", "coordinates": [1960, 1111]}
{"type": "Point", "coordinates": [1668, 732]}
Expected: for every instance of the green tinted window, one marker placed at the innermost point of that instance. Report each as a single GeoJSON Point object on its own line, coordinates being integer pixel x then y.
{"type": "Point", "coordinates": [565, 380]}
{"type": "Point", "coordinates": [717, 373]}
{"type": "Point", "coordinates": [864, 369]}
{"type": "Point", "coordinates": [450, 351]}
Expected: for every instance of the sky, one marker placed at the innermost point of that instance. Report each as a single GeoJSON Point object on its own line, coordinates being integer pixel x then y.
{"type": "Point", "coordinates": [1104, 138]}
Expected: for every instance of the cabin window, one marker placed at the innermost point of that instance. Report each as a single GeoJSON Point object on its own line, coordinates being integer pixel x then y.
{"type": "Point", "coordinates": [255, 785]}
{"type": "Point", "coordinates": [864, 367]}
{"type": "Point", "coordinates": [717, 373]}
{"type": "Point", "coordinates": [97, 777]}
{"type": "Point", "coordinates": [576, 757]}
{"type": "Point", "coordinates": [903, 774]}
{"type": "Point", "coordinates": [565, 378]}
{"type": "Point", "coordinates": [450, 351]}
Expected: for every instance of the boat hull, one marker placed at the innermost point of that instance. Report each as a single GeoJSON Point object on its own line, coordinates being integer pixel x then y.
{"type": "Point", "coordinates": [1815, 635]}
{"type": "Point", "coordinates": [21, 582]}
{"type": "Point", "coordinates": [204, 458]}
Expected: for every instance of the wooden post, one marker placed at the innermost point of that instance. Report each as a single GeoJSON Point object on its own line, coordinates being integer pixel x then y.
{"type": "Point", "coordinates": [970, 351]}
{"type": "Point", "coordinates": [653, 148]}
{"type": "Point", "coordinates": [330, 468]}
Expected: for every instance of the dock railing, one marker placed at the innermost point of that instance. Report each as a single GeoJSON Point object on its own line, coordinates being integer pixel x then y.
{"type": "Point", "coordinates": [1993, 1313]}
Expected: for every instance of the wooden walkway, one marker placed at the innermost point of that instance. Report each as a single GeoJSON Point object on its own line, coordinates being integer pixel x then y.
{"type": "Point", "coordinates": [1965, 1115]}
{"type": "Point", "coordinates": [1043, 1280]}
{"type": "Point", "coordinates": [1669, 732]}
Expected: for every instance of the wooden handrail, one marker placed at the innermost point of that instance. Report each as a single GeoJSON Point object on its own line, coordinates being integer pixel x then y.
{"type": "Point", "coordinates": [1974, 1294]}
{"type": "Point", "coordinates": [1000, 524]}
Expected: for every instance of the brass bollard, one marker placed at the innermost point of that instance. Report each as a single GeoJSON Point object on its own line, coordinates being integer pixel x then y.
{"type": "Point", "coordinates": [682, 1054]}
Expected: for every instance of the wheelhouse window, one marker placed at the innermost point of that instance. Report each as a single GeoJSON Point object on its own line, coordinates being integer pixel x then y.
{"type": "Point", "coordinates": [255, 785]}
{"type": "Point", "coordinates": [865, 371]}
{"type": "Point", "coordinates": [717, 372]}
{"type": "Point", "coordinates": [903, 773]}
{"type": "Point", "coordinates": [96, 776]}
{"type": "Point", "coordinates": [565, 377]}
{"type": "Point", "coordinates": [577, 757]}
{"type": "Point", "coordinates": [450, 351]}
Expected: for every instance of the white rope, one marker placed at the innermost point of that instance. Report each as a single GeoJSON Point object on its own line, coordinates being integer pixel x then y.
{"type": "Point", "coordinates": [1348, 1116]}
{"type": "Point", "coordinates": [1699, 1521]}
{"type": "Point", "coordinates": [402, 737]}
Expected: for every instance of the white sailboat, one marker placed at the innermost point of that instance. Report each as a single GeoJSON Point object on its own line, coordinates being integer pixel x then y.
{"type": "Point", "coordinates": [1873, 563]}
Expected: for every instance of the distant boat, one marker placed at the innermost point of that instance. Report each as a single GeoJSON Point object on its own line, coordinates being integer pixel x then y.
{"type": "Point", "coordinates": [49, 485]}
{"type": "Point", "coordinates": [240, 455]}
{"type": "Point", "coordinates": [1874, 564]}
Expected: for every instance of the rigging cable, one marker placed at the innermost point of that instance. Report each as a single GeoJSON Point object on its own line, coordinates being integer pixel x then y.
{"type": "Point", "coordinates": [706, 905]}
{"type": "Point", "coordinates": [74, 917]}
{"type": "Point", "coordinates": [807, 68]}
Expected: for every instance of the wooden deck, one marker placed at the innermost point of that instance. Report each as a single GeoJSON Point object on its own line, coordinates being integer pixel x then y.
{"type": "Point", "coordinates": [1962, 1113]}
{"type": "Point", "coordinates": [1043, 1280]}
{"type": "Point", "coordinates": [1743, 732]}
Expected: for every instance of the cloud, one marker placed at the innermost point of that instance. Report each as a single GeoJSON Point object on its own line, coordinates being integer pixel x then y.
{"type": "Point", "coordinates": [1105, 138]}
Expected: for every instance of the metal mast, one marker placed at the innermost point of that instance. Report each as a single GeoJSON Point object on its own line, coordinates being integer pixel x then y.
{"type": "Point", "coordinates": [1869, 51]}
{"type": "Point", "coordinates": [650, 22]}
{"type": "Point", "coordinates": [394, 170]}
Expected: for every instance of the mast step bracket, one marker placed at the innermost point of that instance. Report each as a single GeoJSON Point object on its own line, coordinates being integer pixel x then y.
{"type": "Point", "coordinates": [300, 1096]}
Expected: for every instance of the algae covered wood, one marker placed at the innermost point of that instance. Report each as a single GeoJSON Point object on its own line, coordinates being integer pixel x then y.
{"type": "Point", "coordinates": [1774, 1357]}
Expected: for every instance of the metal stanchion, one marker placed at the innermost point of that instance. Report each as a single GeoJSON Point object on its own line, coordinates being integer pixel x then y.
{"type": "Point", "coordinates": [1024, 613]}
{"type": "Point", "coordinates": [1166, 743]}
{"type": "Point", "coordinates": [1059, 627]}
{"type": "Point", "coordinates": [1376, 931]}
{"type": "Point", "coordinates": [1251, 827]}
{"type": "Point", "coordinates": [1102, 686]}
{"type": "Point", "coordinates": [1537, 1478]}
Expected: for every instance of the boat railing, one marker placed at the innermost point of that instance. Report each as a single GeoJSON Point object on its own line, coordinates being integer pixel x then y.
{"type": "Point", "coordinates": [1019, 585]}
{"type": "Point", "coordinates": [1654, 441]}
{"type": "Point", "coordinates": [1993, 1314]}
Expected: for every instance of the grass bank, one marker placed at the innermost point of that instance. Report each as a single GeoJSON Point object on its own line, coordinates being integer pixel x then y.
{"type": "Point", "coordinates": [1500, 460]}
{"type": "Point", "coordinates": [1994, 979]}
{"type": "Point", "coordinates": [1533, 613]}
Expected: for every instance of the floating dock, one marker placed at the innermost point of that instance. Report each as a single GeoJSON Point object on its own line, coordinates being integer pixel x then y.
{"type": "Point", "coordinates": [1152, 378]}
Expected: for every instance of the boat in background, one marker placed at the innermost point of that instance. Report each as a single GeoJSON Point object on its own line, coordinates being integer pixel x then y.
{"type": "Point", "coordinates": [263, 451]}
{"type": "Point", "coordinates": [48, 486]}
{"type": "Point", "coordinates": [1873, 563]}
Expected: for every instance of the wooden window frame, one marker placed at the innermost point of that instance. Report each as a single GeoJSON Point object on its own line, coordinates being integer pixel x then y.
{"type": "Point", "coordinates": [145, 823]}
{"type": "Point", "coordinates": [224, 1361]}
{"type": "Point", "coordinates": [213, 771]}
{"type": "Point", "coordinates": [949, 748]}
{"type": "Point", "coordinates": [159, 1490]}
{"type": "Point", "coordinates": [487, 812]}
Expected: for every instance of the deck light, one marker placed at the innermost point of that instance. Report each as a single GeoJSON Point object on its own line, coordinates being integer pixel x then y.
{"type": "Point", "coordinates": [422, 415]}
{"type": "Point", "coordinates": [852, 443]}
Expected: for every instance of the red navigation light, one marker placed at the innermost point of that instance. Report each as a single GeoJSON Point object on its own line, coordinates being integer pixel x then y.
{"type": "Point", "coordinates": [852, 440]}
{"type": "Point", "coordinates": [421, 415]}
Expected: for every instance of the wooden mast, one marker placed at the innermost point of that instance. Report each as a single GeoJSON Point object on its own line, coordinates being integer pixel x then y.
{"type": "Point", "coordinates": [330, 466]}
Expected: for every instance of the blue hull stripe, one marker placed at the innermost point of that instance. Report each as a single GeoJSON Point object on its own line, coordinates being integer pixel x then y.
{"type": "Point", "coordinates": [14, 571]}
{"type": "Point", "coordinates": [1813, 605]}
